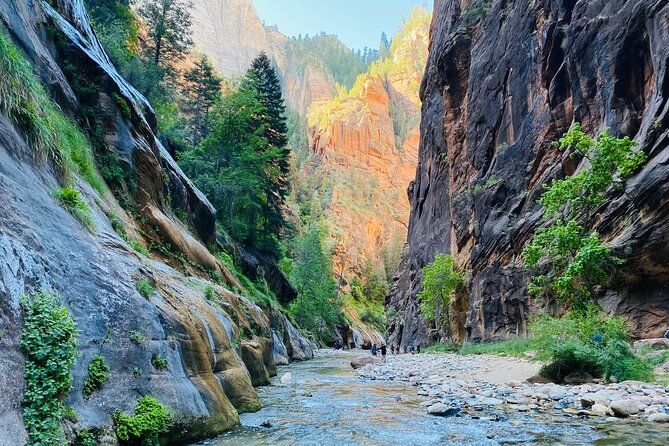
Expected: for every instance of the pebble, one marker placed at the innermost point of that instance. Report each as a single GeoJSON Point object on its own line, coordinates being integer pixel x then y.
{"type": "Point", "coordinates": [439, 378]}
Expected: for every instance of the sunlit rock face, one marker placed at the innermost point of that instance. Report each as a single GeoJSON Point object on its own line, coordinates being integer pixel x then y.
{"type": "Point", "coordinates": [367, 139]}
{"type": "Point", "coordinates": [204, 331]}
{"type": "Point", "coordinates": [494, 98]}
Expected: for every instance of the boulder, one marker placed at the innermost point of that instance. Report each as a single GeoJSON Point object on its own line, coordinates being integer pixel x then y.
{"type": "Point", "coordinates": [659, 418]}
{"type": "Point", "coordinates": [442, 410]}
{"type": "Point", "coordinates": [655, 344]}
{"type": "Point", "coordinates": [578, 378]}
{"type": "Point", "coordinates": [625, 408]}
{"type": "Point", "coordinates": [362, 361]}
{"type": "Point", "coordinates": [538, 379]}
{"type": "Point", "coordinates": [287, 378]}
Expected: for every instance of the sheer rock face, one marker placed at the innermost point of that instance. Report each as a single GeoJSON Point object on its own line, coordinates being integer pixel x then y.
{"type": "Point", "coordinates": [493, 100]}
{"type": "Point", "coordinates": [42, 246]}
{"type": "Point", "coordinates": [232, 35]}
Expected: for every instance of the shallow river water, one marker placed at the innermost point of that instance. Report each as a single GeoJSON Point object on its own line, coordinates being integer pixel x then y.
{"type": "Point", "coordinates": [327, 404]}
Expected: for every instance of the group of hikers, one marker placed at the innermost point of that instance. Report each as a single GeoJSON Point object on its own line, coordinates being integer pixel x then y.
{"type": "Point", "coordinates": [395, 350]}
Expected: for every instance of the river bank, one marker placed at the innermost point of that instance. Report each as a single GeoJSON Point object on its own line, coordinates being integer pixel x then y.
{"type": "Point", "coordinates": [474, 385]}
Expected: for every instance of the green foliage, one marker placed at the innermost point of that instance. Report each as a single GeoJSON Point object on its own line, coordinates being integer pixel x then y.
{"type": "Point", "coordinates": [577, 261]}
{"type": "Point", "coordinates": [49, 345]}
{"type": "Point", "coordinates": [440, 280]}
{"type": "Point", "coordinates": [98, 372]}
{"type": "Point", "coordinates": [477, 10]}
{"type": "Point", "coordinates": [516, 347]}
{"type": "Point", "coordinates": [202, 86]}
{"type": "Point", "coordinates": [151, 419]}
{"type": "Point", "coordinates": [137, 338]}
{"type": "Point", "coordinates": [71, 200]}
{"type": "Point", "coordinates": [209, 292]}
{"type": "Point", "coordinates": [317, 308]}
{"type": "Point", "coordinates": [49, 132]}
{"type": "Point", "coordinates": [117, 225]}
{"type": "Point", "coordinates": [159, 362]}
{"type": "Point", "coordinates": [85, 438]}
{"type": "Point", "coordinates": [138, 247]}
{"type": "Point", "coordinates": [168, 25]}
{"type": "Point", "coordinates": [587, 341]}
{"type": "Point", "coordinates": [238, 169]}
{"type": "Point", "coordinates": [145, 288]}
{"type": "Point", "coordinates": [122, 105]}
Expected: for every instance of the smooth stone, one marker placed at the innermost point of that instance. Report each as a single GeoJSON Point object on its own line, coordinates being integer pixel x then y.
{"type": "Point", "coordinates": [362, 361]}
{"type": "Point", "coordinates": [442, 410]}
{"type": "Point", "coordinates": [624, 408]}
{"type": "Point", "coordinates": [287, 378]}
{"type": "Point", "coordinates": [557, 393]}
{"type": "Point", "coordinates": [659, 418]}
{"type": "Point", "coordinates": [578, 378]}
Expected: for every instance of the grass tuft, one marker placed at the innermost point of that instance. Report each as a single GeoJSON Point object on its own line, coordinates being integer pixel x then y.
{"type": "Point", "coordinates": [71, 200]}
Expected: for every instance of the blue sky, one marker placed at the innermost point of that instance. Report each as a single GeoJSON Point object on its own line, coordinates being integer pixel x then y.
{"type": "Point", "coordinates": [358, 23]}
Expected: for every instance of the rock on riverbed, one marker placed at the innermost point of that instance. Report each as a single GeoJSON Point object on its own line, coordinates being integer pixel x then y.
{"type": "Point", "coordinates": [452, 384]}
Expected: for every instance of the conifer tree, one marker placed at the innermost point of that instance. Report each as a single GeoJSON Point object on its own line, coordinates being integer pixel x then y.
{"type": "Point", "coordinates": [265, 81]}
{"type": "Point", "coordinates": [202, 86]}
{"type": "Point", "coordinates": [384, 48]}
{"type": "Point", "coordinates": [168, 25]}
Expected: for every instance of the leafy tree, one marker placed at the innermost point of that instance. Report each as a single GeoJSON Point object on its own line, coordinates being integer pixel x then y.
{"type": "Point", "coordinates": [168, 25]}
{"type": "Point", "coordinates": [317, 307]}
{"type": "Point", "coordinates": [574, 256]}
{"type": "Point", "coordinates": [440, 280]}
{"type": "Point", "coordinates": [202, 86]}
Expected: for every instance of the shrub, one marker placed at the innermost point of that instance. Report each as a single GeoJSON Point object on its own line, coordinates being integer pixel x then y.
{"type": "Point", "coordinates": [138, 247]}
{"type": "Point", "coordinates": [209, 292]}
{"type": "Point", "coordinates": [587, 341]}
{"type": "Point", "coordinates": [516, 347]}
{"type": "Point", "coordinates": [159, 362]}
{"type": "Point", "coordinates": [137, 338]}
{"type": "Point", "coordinates": [71, 200]}
{"type": "Point", "coordinates": [86, 438]}
{"type": "Point", "coordinates": [375, 317]}
{"type": "Point", "coordinates": [117, 225]}
{"type": "Point", "coordinates": [151, 418]}
{"type": "Point", "coordinates": [98, 372]}
{"type": "Point", "coordinates": [145, 288]}
{"type": "Point", "coordinates": [49, 345]}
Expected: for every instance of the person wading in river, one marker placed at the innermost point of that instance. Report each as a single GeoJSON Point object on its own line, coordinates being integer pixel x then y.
{"type": "Point", "coordinates": [374, 350]}
{"type": "Point", "coordinates": [383, 352]}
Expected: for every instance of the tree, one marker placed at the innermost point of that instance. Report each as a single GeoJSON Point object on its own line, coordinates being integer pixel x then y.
{"type": "Point", "coordinates": [168, 23]}
{"type": "Point", "coordinates": [234, 166]}
{"type": "Point", "coordinates": [575, 260]}
{"type": "Point", "coordinates": [202, 86]}
{"type": "Point", "coordinates": [384, 47]}
{"type": "Point", "coordinates": [263, 79]}
{"type": "Point", "coordinates": [440, 280]}
{"type": "Point", "coordinates": [317, 307]}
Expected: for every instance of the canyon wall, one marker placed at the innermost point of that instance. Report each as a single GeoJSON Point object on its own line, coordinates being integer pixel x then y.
{"type": "Point", "coordinates": [217, 343]}
{"type": "Point", "coordinates": [498, 89]}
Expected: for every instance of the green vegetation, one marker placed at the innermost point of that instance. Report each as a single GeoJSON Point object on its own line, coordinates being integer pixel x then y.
{"type": "Point", "coordinates": [98, 372]}
{"type": "Point", "coordinates": [202, 87]}
{"type": "Point", "coordinates": [71, 200]}
{"type": "Point", "coordinates": [137, 338]}
{"type": "Point", "coordinates": [86, 438]}
{"type": "Point", "coordinates": [159, 362]}
{"type": "Point", "coordinates": [317, 308]}
{"type": "Point", "coordinates": [209, 292]}
{"type": "Point", "coordinates": [49, 345]}
{"type": "Point", "coordinates": [587, 341]}
{"type": "Point", "coordinates": [134, 244]}
{"type": "Point", "coordinates": [516, 347]}
{"type": "Point", "coordinates": [49, 132]}
{"type": "Point", "coordinates": [577, 261]}
{"type": "Point", "coordinates": [242, 165]}
{"type": "Point", "coordinates": [145, 288]}
{"type": "Point", "coordinates": [476, 11]}
{"type": "Point", "coordinates": [151, 419]}
{"type": "Point", "coordinates": [440, 280]}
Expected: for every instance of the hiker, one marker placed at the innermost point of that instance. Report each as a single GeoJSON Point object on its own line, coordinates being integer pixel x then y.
{"type": "Point", "coordinates": [666, 333]}
{"type": "Point", "coordinates": [383, 352]}
{"type": "Point", "coordinates": [411, 350]}
{"type": "Point", "coordinates": [374, 350]}
{"type": "Point", "coordinates": [418, 349]}
{"type": "Point", "coordinates": [406, 349]}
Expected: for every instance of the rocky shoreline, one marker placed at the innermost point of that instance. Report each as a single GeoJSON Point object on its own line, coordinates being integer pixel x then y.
{"type": "Point", "coordinates": [456, 385]}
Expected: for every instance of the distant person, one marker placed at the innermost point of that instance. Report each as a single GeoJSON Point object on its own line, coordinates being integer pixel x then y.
{"type": "Point", "coordinates": [418, 349]}
{"type": "Point", "coordinates": [397, 350]}
{"type": "Point", "coordinates": [406, 349]}
{"type": "Point", "coordinates": [374, 350]}
{"type": "Point", "coordinates": [411, 350]}
{"type": "Point", "coordinates": [383, 352]}
{"type": "Point", "coordinates": [666, 333]}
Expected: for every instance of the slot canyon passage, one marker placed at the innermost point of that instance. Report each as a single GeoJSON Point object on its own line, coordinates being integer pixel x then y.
{"type": "Point", "coordinates": [262, 222]}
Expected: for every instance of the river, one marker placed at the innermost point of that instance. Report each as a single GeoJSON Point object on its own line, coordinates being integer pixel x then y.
{"type": "Point", "coordinates": [327, 404]}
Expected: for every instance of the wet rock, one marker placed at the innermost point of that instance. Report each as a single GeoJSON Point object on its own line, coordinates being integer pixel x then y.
{"type": "Point", "coordinates": [442, 410]}
{"type": "Point", "coordinates": [266, 424]}
{"type": "Point", "coordinates": [538, 379]}
{"type": "Point", "coordinates": [557, 393]}
{"type": "Point", "coordinates": [659, 418]}
{"type": "Point", "coordinates": [362, 361]}
{"type": "Point", "coordinates": [655, 344]}
{"type": "Point", "coordinates": [286, 378]}
{"type": "Point", "coordinates": [624, 408]}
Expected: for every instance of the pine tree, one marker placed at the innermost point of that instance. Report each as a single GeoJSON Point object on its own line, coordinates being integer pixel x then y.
{"type": "Point", "coordinates": [202, 86]}
{"type": "Point", "coordinates": [384, 48]}
{"type": "Point", "coordinates": [265, 81]}
{"type": "Point", "coordinates": [168, 25]}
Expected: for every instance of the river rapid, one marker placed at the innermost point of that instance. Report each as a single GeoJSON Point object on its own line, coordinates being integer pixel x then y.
{"type": "Point", "coordinates": [326, 403]}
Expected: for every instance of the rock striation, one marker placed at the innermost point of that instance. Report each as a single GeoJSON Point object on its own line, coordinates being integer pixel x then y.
{"type": "Point", "coordinates": [217, 343]}
{"type": "Point", "coordinates": [498, 89]}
